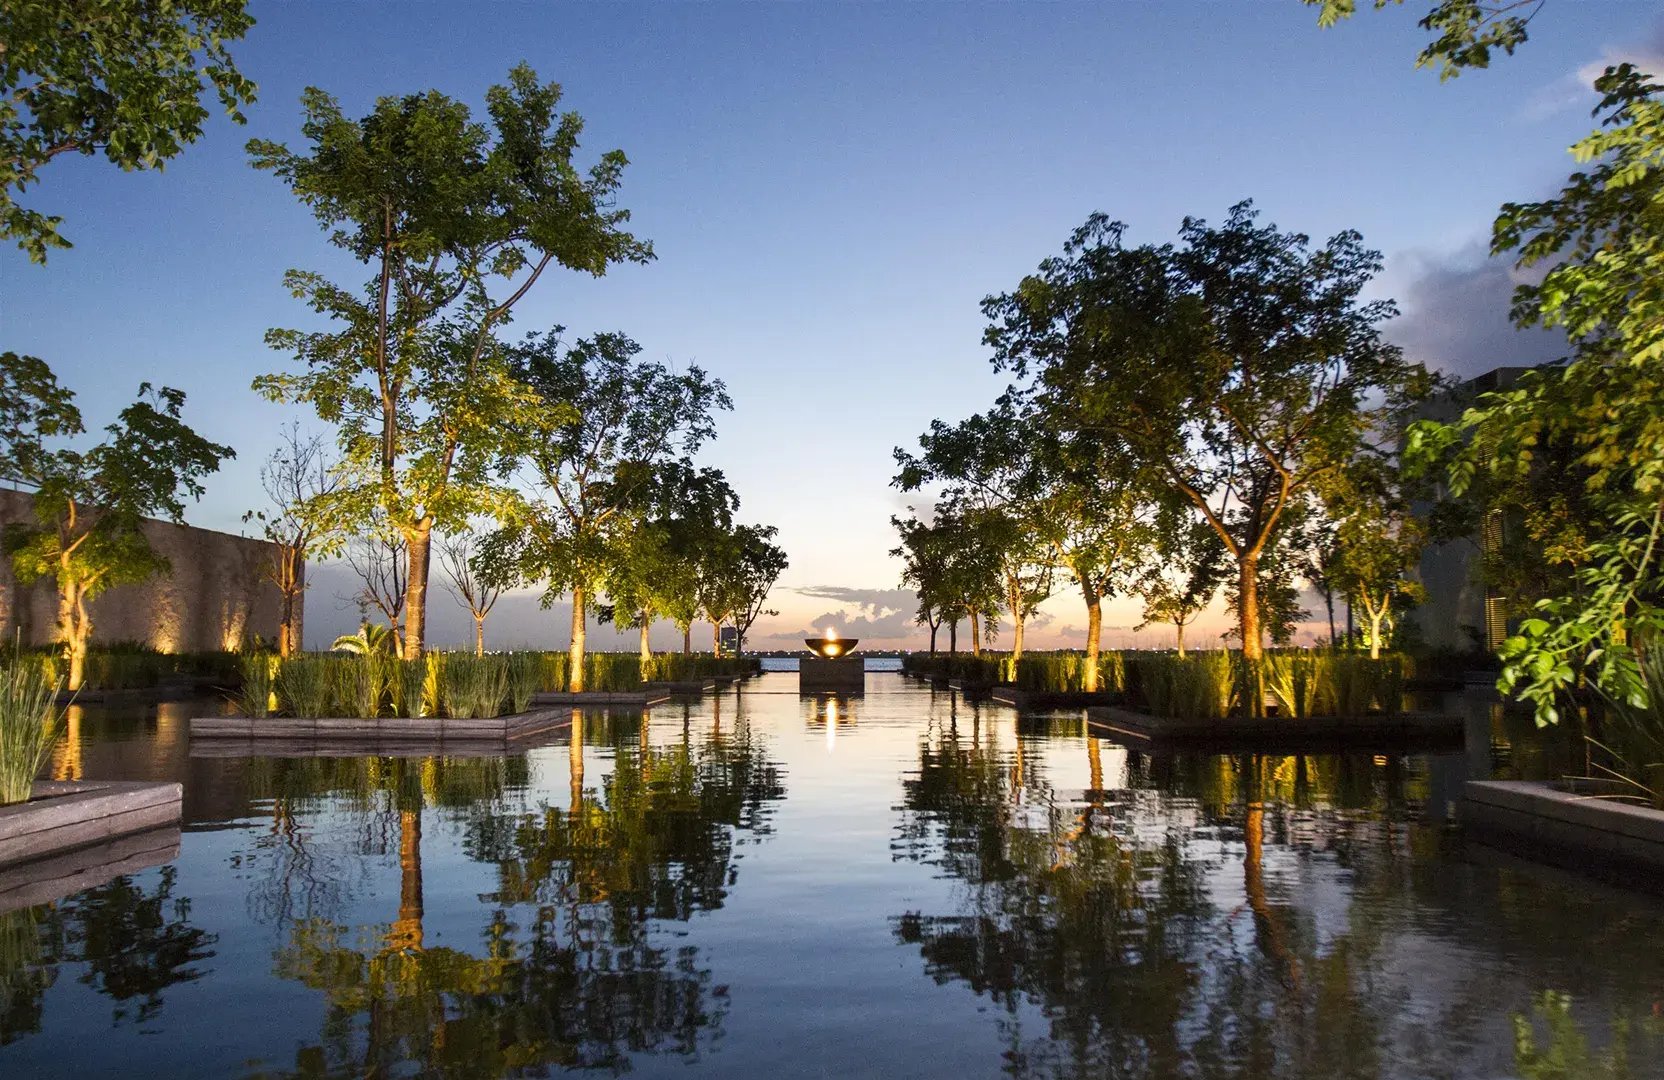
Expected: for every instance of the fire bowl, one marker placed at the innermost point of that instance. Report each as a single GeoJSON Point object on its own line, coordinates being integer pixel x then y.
{"type": "Point", "coordinates": [831, 648]}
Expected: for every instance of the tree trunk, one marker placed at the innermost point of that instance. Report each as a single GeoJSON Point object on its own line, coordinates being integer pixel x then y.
{"type": "Point", "coordinates": [1376, 616]}
{"type": "Point", "coordinates": [1095, 764]}
{"type": "Point", "coordinates": [976, 634]}
{"type": "Point", "coordinates": [716, 638]}
{"type": "Point", "coordinates": [575, 765]}
{"type": "Point", "coordinates": [646, 647]}
{"type": "Point", "coordinates": [1248, 608]}
{"type": "Point", "coordinates": [575, 653]}
{"type": "Point", "coordinates": [407, 931]}
{"type": "Point", "coordinates": [1014, 597]}
{"type": "Point", "coordinates": [479, 635]}
{"type": "Point", "coordinates": [953, 637]}
{"type": "Point", "coordinates": [1349, 621]}
{"type": "Point", "coordinates": [687, 639]}
{"type": "Point", "coordinates": [1329, 604]}
{"type": "Point", "coordinates": [419, 547]}
{"type": "Point", "coordinates": [933, 629]}
{"type": "Point", "coordinates": [1094, 637]}
{"type": "Point", "coordinates": [75, 627]}
{"type": "Point", "coordinates": [1178, 628]}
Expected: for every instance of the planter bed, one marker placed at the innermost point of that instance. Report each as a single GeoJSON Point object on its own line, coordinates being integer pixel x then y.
{"type": "Point", "coordinates": [411, 730]}
{"type": "Point", "coordinates": [66, 815]}
{"type": "Point", "coordinates": [1336, 732]}
{"type": "Point", "coordinates": [1050, 699]}
{"type": "Point", "coordinates": [1619, 841]}
{"type": "Point", "coordinates": [56, 876]}
{"type": "Point", "coordinates": [602, 697]}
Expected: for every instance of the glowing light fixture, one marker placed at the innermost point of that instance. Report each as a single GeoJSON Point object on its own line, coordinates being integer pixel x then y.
{"type": "Point", "coordinates": [831, 646]}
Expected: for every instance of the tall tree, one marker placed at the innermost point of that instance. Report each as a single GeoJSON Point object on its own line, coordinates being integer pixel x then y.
{"type": "Point", "coordinates": [1240, 365]}
{"type": "Point", "coordinates": [457, 220]}
{"type": "Point", "coordinates": [588, 476]}
{"type": "Point", "coordinates": [298, 476]}
{"type": "Point", "coordinates": [90, 504]}
{"type": "Point", "coordinates": [950, 562]}
{"type": "Point", "coordinates": [126, 80]}
{"type": "Point", "coordinates": [750, 565]}
{"type": "Point", "coordinates": [1191, 567]}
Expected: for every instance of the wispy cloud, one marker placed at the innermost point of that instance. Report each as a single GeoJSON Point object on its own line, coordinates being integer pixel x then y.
{"type": "Point", "coordinates": [1576, 89]}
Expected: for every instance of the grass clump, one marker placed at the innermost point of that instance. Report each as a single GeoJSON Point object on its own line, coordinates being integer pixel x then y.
{"type": "Point", "coordinates": [524, 674]}
{"type": "Point", "coordinates": [29, 719]}
{"type": "Point", "coordinates": [475, 687]}
{"type": "Point", "coordinates": [259, 672]}
{"type": "Point", "coordinates": [305, 686]}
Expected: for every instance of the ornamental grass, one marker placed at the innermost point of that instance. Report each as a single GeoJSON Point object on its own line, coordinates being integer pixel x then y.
{"type": "Point", "coordinates": [29, 721]}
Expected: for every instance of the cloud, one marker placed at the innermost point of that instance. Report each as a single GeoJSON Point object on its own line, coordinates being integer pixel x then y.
{"type": "Point", "coordinates": [1456, 314]}
{"type": "Point", "coordinates": [875, 601]}
{"type": "Point", "coordinates": [1576, 89]}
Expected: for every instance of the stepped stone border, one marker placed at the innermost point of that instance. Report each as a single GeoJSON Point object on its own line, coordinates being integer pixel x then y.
{"type": "Point", "coordinates": [1602, 836]}
{"type": "Point", "coordinates": [44, 880]}
{"type": "Point", "coordinates": [424, 729]}
{"type": "Point", "coordinates": [65, 815]}
{"type": "Point", "coordinates": [686, 686]}
{"type": "Point", "coordinates": [1050, 699]}
{"type": "Point", "coordinates": [1325, 730]}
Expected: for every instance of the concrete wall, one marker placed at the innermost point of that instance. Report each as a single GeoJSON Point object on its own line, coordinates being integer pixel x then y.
{"type": "Point", "coordinates": [216, 597]}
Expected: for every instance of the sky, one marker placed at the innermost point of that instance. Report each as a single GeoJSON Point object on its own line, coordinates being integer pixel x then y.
{"type": "Point", "coordinates": [831, 190]}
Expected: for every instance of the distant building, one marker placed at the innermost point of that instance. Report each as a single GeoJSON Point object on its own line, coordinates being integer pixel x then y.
{"type": "Point", "coordinates": [1462, 612]}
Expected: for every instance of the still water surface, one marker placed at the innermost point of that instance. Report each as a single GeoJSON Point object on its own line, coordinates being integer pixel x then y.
{"type": "Point", "coordinates": [762, 885]}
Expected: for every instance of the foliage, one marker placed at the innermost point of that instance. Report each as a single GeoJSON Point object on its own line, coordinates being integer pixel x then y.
{"type": "Point", "coordinates": [1191, 565]}
{"type": "Point", "coordinates": [523, 673]}
{"type": "Point", "coordinates": [1202, 686]}
{"type": "Point", "coordinates": [90, 504]}
{"type": "Point", "coordinates": [1630, 737]}
{"type": "Point", "coordinates": [411, 696]}
{"type": "Point", "coordinates": [306, 685]}
{"type": "Point", "coordinates": [1378, 543]}
{"type": "Point", "coordinates": [468, 585]}
{"type": "Point", "coordinates": [1465, 31]}
{"type": "Point", "coordinates": [1308, 682]}
{"type": "Point", "coordinates": [457, 219]}
{"type": "Point", "coordinates": [370, 640]}
{"type": "Point", "coordinates": [29, 722]}
{"type": "Point", "coordinates": [125, 80]}
{"type": "Point", "coordinates": [1239, 366]}
{"type": "Point", "coordinates": [1604, 286]}
{"type": "Point", "coordinates": [1064, 672]}
{"type": "Point", "coordinates": [955, 572]}
{"type": "Point", "coordinates": [739, 578]}
{"type": "Point", "coordinates": [605, 427]}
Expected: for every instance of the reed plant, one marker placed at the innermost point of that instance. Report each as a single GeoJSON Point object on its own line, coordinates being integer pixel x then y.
{"type": "Point", "coordinates": [363, 682]}
{"type": "Point", "coordinates": [409, 686]}
{"type": "Point", "coordinates": [475, 686]}
{"type": "Point", "coordinates": [255, 696]}
{"type": "Point", "coordinates": [524, 671]}
{"type": "Point", "coordinates": [1201, 686]}
{"type": "Point", "coordinates": [29, 721]}
{"type": "Point", "coordinates": [1297, 679]}
{"type": "Point", "coordinates": [1062, 672]}
{"type": "Point", "coordinates": [306, 686]}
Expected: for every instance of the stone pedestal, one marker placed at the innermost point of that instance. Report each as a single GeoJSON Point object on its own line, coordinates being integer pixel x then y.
{"type": "Point", "coordinates": [845, 675]}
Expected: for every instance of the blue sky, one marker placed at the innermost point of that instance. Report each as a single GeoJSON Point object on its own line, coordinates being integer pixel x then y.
{"type": "Point", "coordinates": [831, 189]}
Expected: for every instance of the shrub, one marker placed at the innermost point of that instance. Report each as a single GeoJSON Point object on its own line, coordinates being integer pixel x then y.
{"type": "Point", "coordinates": [362, 683]}
{"type": "Point", "coordinates": [29, 718]}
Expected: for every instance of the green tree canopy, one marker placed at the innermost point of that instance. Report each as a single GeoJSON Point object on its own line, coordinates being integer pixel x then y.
{"type": "Point", "coordinates": [457, 220]}
{"type": "Point", "coordinates": [90, 504]}
{"type": "Point", "coordinates": [125, 80]}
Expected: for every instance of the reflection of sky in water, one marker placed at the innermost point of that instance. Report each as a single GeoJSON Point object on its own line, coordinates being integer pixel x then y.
{"type": "Point", "coordinates": [899, 883]}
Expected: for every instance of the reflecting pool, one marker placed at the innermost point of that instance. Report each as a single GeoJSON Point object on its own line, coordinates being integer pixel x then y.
{"type": "Point", "coordinates": [760, 885]}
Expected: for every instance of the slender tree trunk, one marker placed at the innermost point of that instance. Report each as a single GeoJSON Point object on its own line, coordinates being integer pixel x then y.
{"type": "Point", "coordinates": [407, 931]}
{"type": "Point", "coordinates": [953, 637]}
{"type": "Point", "coordinates": [976, 634]}
{"type": "Point", "coordinates": [419, 547]}
{"type": "Point", "coordinates": [933, 629]}
{"type": "Point", "coordinates": [1248, 607]}
{"type": "Point", "coordinates": [687, 639]}
{"type": "Point", "coordinates": [1349, 621]}
{"type": "Point", "coordinates": [716, 638]}
{"type": "Point", "coordinates": [575, 765]}
{"type": "Point", "coordinates": [1329, 604]}
{"type": "Point", "coordinates": [646, 648]}
{"type": "Point", "coordinates": [1095, 764]}
{"type": "Point", "coordinates": [1376, 616]}
{"type": "Point", "coordinates": [1178, 628]}
{"type": "Point", "coordinates": [75, 627]}
{"type": "Point", "coordinates": [479, 635]}
{"type": "Point", "coordinates": [1014, 597]}
{"type": "Point", "coordinates": [1094, 639]}
{"type": "Point", "coordinates": [575, 654]}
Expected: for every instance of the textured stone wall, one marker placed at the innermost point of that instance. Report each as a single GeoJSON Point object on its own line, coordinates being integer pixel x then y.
{"type": "Point", "coordinates": [215, 597]}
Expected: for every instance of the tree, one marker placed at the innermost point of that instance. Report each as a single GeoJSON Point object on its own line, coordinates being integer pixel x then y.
{"type": "Point", "coordinates": [982, 463]}
{"type": "Point", "coordinates": [379, 560]}
{"type": "Point", "coordinates": [298, 476]}
{"type": "Point", "coordinates": [751, 566]}
{"type": "Point", "coordinates": [1378, 538]}
{"type": "Point", "coordinates": [1239, 366]}
{"type": "Point", "coordinates": [471, 589]}
{"type": "Point", "coordinates": [122, 80]}
{"type": "Point", "coordinates": [960, 573]}
{"type": "Point", "coordinates": [1191, 568]}
{"type": "Point", "coordinates": [457, 220]}
{"type": "Point", "coordinates": [924, 559]}
{"type": "Point", "coordinates": [1466, 31]}
{"type": "Point", "coordinates": [589, 475]}
{"type": "Point", "coordinates": [1605, 286]}
{"type": "Point", "coordinates": [90, 505]}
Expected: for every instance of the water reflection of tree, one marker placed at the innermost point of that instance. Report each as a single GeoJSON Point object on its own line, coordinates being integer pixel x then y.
{"type": "Point", "coordinates": [1121, 939]}
{"type": "Point", "coordinates": [130, 941]}
{"type": "Point", "coordinates": [568, 972]}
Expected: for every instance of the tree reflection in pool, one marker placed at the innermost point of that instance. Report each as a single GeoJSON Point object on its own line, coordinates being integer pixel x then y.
{"type": "Point", "coordinates": [949, 891]}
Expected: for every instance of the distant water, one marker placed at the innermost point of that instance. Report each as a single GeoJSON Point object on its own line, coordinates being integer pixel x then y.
{"type": "Point", "coordinates": [873, 663]}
